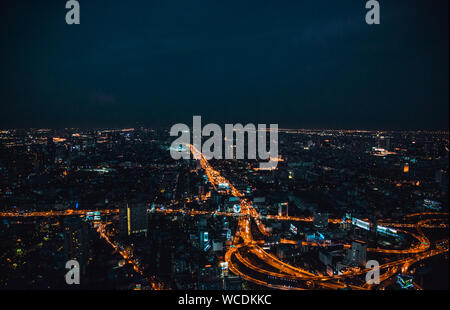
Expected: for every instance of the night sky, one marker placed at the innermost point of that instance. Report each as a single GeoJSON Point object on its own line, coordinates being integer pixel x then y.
{"type": "Point", "coordinates": [301, 64]}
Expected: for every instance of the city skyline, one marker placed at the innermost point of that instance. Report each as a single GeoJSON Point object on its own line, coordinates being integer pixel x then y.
{"type": "Point", "coordinates": [122, 207]}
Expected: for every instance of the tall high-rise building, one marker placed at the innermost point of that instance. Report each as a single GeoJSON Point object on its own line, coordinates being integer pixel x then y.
{"type": "Point", "coordinates": [203, 231]}
{"type": "Point", "coordinates": [357, 255]}
{"type": "Point", "coordinates": [387, 144]}
{"type": "Point", "coordinates": [51, 151]}
{"type": "Point", "coordinates": [38, 162]}
{"type": "Point", "coordinates": [76, 241]}
{"type": "Point", "coordinates": [204, 239]}
{"type": "Point", "coordinates": [283, 209]}
{"type": "Point", "coordinates": [320, 220]}
{"type": "Point", "coordinates": [133, 219]}
{"type": "Point", "coordinates": [406, 168]}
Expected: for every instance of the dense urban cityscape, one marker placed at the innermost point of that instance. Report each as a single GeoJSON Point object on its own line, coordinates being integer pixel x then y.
{"type": "Point", "coordinates": [210, 153]}
{"type": "Point", "coordinates": [134, 218]}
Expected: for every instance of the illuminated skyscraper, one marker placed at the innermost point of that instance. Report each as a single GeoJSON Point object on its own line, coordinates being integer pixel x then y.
{"type": "Point", "coordinates": [283, 209]}
{"type": "Point", "coordinates": [134, 219]}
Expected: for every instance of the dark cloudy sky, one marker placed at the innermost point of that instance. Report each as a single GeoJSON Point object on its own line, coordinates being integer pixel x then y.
{"type": "Point", "coordinates": [302, 64]}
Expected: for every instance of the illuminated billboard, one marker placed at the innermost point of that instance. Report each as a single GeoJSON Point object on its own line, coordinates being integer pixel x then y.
{"type": "Point", "coordinates": [361, 224]}
{"type": "Point", "coordinates": [89, 216]}
{"type": "Point", "coordinates": [293, 229]}
{"type": "Point", "coordinates": [320, 236]}
{"type": "Point", "coordinates": [405, 281]}
{"type": "Point", "coordinates": [224, 186]}
{"type": "Point", "coordinates": [204, 237]}
{"type": "Point", "coordinates": [237, 208]}
{"type": "Point", "coordinates": [228, 234]}
{"type": "Point", "coordinates": [310, 237]}
{"type": "Point", "coordinates": [387, 230]}
{"type": "Point", "coordinates": [433, 205]}
{"type": "Point", "coordinates": [207, 246]}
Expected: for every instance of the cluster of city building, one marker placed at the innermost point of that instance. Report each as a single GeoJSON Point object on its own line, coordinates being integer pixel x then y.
{"type": "Point", "coordinates": [170, 227]}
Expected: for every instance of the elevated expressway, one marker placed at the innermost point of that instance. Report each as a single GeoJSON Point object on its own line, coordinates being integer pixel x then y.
{"type": "Point", "coordinates": [247, 259]}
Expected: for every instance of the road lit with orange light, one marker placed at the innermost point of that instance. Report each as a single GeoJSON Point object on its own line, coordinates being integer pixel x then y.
{"type": "Point", "coordinates": [274, 273]}
{"type": "Point", "coordinates": [129, 258]}
{"type": "Point", "coordinates": [247, 258]}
